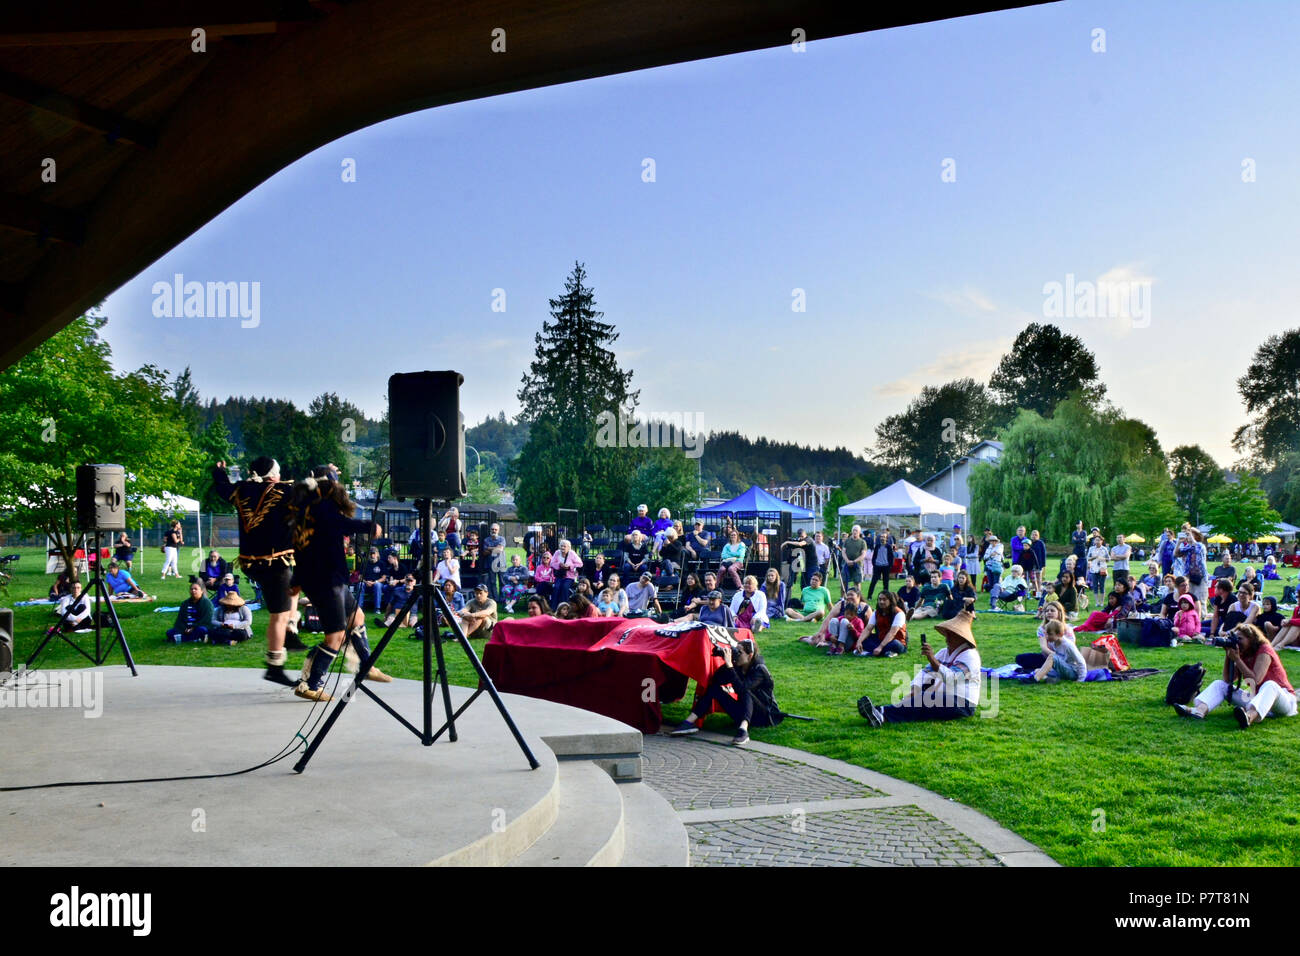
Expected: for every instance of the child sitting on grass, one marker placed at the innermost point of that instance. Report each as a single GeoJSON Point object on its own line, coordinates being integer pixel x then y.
{"type": "Point", "coordinates": [1065, 662]}
{"type": "Point", "coordinates": [1187, 620]}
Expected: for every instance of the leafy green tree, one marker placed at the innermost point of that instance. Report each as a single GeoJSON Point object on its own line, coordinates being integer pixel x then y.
{"type": "Point", "coordinates": [213, 445]}
{"type": "Point", "coordinates": [1056, 471]}
{"type": "Point", "coordinates": [666, 478]}
{"type": "Point", "coordinates": [1282, 484]}
{"type": "Point", "coordinates": [61, 406]}
{"type": "Point", "coordinates": [1271, 390]}
{"type": "Point", "coordinates": [1241, 510]}
{"type": "Point", "coordinates": [1044, 367]}
{"type": "Point", "coordinates": [1149, 506]}
{"type": "Point", "coordinates": [1196, 477]}
{"type": "Point", "coordinates": [482, 488]}
{"type": "Point", "coordinates": [574, 378]}
{"type": "Point", "coordinates": [940, 424]}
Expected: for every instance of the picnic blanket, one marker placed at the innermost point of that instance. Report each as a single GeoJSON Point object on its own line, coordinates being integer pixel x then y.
{"type": "Point", "coordinates": [1095, 675]}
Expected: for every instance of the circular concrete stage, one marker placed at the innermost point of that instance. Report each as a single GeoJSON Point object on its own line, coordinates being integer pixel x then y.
{"type": "Point", "coordinates": [372, 784]}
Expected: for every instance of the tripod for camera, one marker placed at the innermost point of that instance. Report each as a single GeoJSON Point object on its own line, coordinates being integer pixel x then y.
{"type": "Point", "coordinates": [100, 591]}
{"type": "Point", "coordinates": [432, 601]}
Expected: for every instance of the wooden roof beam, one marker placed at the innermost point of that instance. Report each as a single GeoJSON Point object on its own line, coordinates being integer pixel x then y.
{"type": "Point", "coordinates": [114, 127]}
{"type": "Point", "coordinates": [41, 220]}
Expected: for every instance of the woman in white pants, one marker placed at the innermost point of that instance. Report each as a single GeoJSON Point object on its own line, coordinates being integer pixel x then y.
{"type": "Point", "coordinates": [1267, 690]}
{"type": "Point", "coordinates": [172, 542]}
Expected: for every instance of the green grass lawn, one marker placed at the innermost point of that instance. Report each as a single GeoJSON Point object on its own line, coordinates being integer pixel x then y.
{"type": "Point", "coordinates": [1054, 764]}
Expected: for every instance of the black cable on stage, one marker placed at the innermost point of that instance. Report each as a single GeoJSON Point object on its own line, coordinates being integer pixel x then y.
{"type": "Point", "coordinates": [286, 751]}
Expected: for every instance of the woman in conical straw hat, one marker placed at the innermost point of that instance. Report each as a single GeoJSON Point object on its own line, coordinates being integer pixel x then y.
{"type": "Point", "coordinates": [946, 689]}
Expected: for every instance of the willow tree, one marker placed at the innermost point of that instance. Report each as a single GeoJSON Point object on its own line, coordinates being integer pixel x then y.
{"type": "Point", "coordinates": [1075, 466]}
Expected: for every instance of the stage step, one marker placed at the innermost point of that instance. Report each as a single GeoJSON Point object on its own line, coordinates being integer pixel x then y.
{"type": "Point", "coordinates": [589, 828]}
{"type": "Point", "coordinates": [655, 835]}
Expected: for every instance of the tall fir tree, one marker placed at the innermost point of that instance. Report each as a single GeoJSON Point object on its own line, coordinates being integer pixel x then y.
{"type": "Point", "coordinates": [573, 379]}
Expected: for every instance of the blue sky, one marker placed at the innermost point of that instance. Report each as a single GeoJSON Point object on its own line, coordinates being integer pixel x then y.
{"type": "Point", "coordinates": [779, 170]}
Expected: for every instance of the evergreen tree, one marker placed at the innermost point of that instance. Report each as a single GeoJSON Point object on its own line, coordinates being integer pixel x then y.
{"type": "Point", "coordinates": [213, 445]}
{"type": "Point", "coordinates": [1043, 368]}
{"type": "Point", "coordinates": [572, 380]}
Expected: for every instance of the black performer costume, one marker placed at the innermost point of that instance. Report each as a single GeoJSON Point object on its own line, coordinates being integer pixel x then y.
{"type": "Point", "coordinates": [265, 542]}
{"type": "Point", "coordinates": [321, 571]}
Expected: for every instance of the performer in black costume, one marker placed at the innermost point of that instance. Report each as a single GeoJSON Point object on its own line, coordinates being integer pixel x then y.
{"type": "Point", "coordinates": [266, 550]}
{"type": "Point", "coordinates": [321, 514]}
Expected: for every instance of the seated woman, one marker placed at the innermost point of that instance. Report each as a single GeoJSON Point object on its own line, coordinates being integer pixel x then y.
{"type": "Point", "coordinates": [455, 600]}
{"type": "Point", "coordinates": [1011, 587]}
{"type": "Point", "coordinates": [909, 595]}
{"type": "Point", "coordinates": [537, 606]}
{"type": "Point", "coordinates": [1127, 600]}
{"type": "Point", "coordinates": [193, 618]}
{"type": "Point", "coordinates": [1252, 580]}
{"type": "Point", "coordinates": [749, 605]}
{"type": "Point", "coordinates": [1289, 632]}
{"type": "Point", "coordinates": [1244, 610]}
{"type": "Point", "coordinates": [691, 593]}
{"type": "Point", "coordinates": [843, 627]}
{"type": "Point", "coordinates": [1270, 569]}
{"type": "Point", "coordinates": [544, 575]}
{"type": "Point", "coordinates": [1269, 620]}
{"type": "Point", "coordinates": [62, 585]}
{"type": "Point", "coordinates": [775, 591]}
{"type": "Point", "coordinates": [121, 584]}
{"type": "Point", "coordinates": [1068, 594]}
{"type": "Point", "coordinates": [816, 599]}
{"type": "Point", "coordinates": [74, 609]}
{"type": "Point", "coordinates": [743, 687]}
{"type": "Point", "coordinates": [733, 560]}
{"type": "Point", "coordinates": [615, 584]}
{"type": "Point", "coordinates": [659, 530]}
{"type": "Point", "coordinates": [671, 555]}
{"type": "Point", "coordinates": [1103, 620]}
{"type": "Point", "coordinates": [581, 606]}
{"type": "Point", "coordinates": [448, 570]}
{"type": "Point", "coordinates": [233, 621]}
{"type": "Point", "coordinates": [1267, 691]}
{"type": "Point", "coordinates": [947, 688]}
{"type": "Point", "coordinates": [885, 633]}
{"type": "Point", "coordinates": [963, 597]}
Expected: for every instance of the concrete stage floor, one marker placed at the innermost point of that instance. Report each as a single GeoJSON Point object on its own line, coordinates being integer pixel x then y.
{"type": "Point", "coordinates": [372, 784]}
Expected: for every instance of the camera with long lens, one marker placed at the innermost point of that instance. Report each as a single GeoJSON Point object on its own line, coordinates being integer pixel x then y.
{"type": "Point", "coordinates": [1228, 639]}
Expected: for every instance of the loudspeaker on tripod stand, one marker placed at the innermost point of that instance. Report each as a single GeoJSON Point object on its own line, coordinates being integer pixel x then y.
{"type": "Point", "coordinates": [101, 498]}
{"type": "Point", "coordinates": [426, 430]}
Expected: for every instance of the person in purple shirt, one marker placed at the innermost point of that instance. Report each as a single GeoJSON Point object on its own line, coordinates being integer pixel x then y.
{"type": "Point", "coordinates": [1018, 544]}
{"type": "Point", "coordinates": [642, 523]}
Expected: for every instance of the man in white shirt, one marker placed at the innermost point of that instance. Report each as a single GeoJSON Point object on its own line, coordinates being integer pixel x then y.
{"type": "Point", "coordinates": [948, 688]}
{"type": "Point", "coordinates": [79, 615]}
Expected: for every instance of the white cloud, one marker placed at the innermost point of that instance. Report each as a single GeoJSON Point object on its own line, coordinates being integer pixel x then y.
{"type": "Point", "coordinates": [975, 361]}
{"type": "Point", "coordinates": [968, 301]}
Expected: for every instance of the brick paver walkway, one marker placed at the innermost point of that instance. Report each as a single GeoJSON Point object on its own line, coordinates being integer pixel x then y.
{"type": "Point", "coordinates": [752, 807]}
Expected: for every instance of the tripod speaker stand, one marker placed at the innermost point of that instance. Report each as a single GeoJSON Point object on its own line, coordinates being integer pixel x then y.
{"type": "Point", "coordinates": [431, 601]}
{"type": "Point", "coordinates": [100, 592]}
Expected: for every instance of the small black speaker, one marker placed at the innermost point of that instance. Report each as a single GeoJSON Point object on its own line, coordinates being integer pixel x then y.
{"type": "Point", "coordinates": [426, 435]}
{"type": "Point", "coordinates": [101, 498]}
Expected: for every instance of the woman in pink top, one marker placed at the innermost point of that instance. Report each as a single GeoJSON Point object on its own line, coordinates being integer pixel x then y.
{"type": "Point", "coordinates": [544, 575]}
{"type": "Point", "coordinates": [566, 564]}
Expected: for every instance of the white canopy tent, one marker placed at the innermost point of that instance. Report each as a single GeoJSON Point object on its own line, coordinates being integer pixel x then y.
{"type": "Point", "coordinates": [901, 499]}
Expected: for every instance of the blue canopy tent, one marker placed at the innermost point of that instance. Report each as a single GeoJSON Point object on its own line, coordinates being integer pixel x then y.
{"type": "Point", "coordinates": [755, 501]}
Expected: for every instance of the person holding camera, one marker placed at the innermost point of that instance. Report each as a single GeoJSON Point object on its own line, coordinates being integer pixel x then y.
{"type": "Point", "coordinates": [743, 687]}
{"type": "Point", "coordinates": [1249, 659]}
{"type": "Point", "coordinates": [948, 688]}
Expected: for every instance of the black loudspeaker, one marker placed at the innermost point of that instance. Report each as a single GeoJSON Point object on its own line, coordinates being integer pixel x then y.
{"type": "Point", "coordinates": [426, 435]}
{"type": "Point", "coordinates": [101, 498]}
